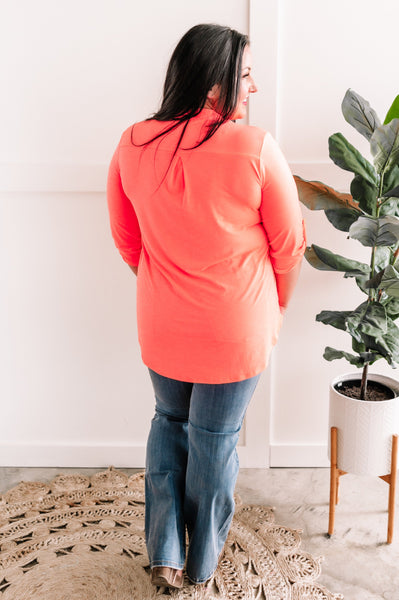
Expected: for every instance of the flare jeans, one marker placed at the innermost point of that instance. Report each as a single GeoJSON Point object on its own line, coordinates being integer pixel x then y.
{"type": "Point", "coordinates": [191, 471]}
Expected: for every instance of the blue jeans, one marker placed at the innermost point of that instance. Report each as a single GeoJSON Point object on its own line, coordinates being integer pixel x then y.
{"type": "Point", "coordinates": [191, 471]}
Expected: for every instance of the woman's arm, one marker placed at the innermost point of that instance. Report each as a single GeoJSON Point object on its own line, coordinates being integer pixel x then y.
{"type": "Point", "coordinates": [124, 223]}
{"type": "Point", "coordinates": [282, 219]}
{"type": "Point", "coordinates": [286, 283]}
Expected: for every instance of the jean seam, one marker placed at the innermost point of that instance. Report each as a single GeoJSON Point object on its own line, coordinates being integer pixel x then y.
{"type": "Point", "coordinates": [197, 581]}
{"type": "Point", "coordinates": [166, 563]}
{"type": "Point", "coordinates": [215, 433]}
{"type": "Point", "coordinates": [227, 521]}
{"type": "Point", "coordinates": [173, 417]}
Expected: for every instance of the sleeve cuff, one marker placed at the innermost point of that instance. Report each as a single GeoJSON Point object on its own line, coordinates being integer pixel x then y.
{"type": "Point", "coordinates": [285, 264]}
{"type": "Point", "coordinates": [131, 258]}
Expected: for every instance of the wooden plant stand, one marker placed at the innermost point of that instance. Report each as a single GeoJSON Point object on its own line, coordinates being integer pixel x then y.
{"type": "Point", "coordinates": [336, 473]}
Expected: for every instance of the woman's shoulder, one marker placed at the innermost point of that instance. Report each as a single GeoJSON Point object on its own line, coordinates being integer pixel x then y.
{"type": "Point", "coordinates": [140, 132]}
{"type": "Point", "coordinates": [246, 138]}
{"type": "Point", "coordinates": [232, 135]}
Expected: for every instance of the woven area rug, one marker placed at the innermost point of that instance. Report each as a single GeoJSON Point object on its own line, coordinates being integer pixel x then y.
{"type": "Point", "coordinates": [82, 538]}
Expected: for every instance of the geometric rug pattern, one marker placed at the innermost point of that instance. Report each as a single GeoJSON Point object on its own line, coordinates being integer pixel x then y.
{"type": "Point", "coordinates": [82, 538]}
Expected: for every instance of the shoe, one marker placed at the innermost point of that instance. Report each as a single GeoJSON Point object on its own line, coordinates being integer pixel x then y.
{"type": "Point", "coordinates": [167, 577]}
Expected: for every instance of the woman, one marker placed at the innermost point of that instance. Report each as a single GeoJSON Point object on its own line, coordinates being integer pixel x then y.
{"type": "Point", "coordinates": [205, 211]}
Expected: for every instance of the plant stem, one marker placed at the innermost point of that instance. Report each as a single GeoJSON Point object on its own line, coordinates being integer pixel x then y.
{"type": "Point", "coordinates": [372, 295]}
{"type": "Point", "coordinates": [372, 273]}
{"type": "Point", "coordinates": [363, 387]}
{"type": "Point", "coordinates": [373, 251]}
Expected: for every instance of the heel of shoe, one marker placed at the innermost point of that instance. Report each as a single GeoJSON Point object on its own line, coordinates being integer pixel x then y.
{"type": "Point", "coordinates": [167, 577]}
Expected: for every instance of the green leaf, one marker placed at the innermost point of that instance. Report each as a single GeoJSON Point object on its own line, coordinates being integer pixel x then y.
{"type": "Point", "coordinates": [379, 346]}
{"type": "Point", "coordinates": [367, 356]}
{"type": "Point", "coordinates": [392, 307]}
{"type": "Point", "coordinates": [366, 194]}
{"type": "Point", "coordinates": [392, 193]}
{"type": "Point", "coordinates": [382, 258]}
{"type": "Point", "coordinates": [390, 281]}
{"type": "Point", "coordinates": [358, 361]}
{"type": "Point", "coordinates": [369, 319]}
{"type": "Point", "coordinates": [325, 260]}
{"type": "Point", "coordinates": [384, 145]}
{"type": "Point", "coordinates": [393, 112]}
{"type": "Point", "coordinates": [358, 347]}
{"type": "Point", "coordinates": [371, 357]}
{"type": "Point", "coordinates": [335, 318]}
{"type": "Point", "coordinates": [386, 344]}
{"type": "Point", "coordinates": [391, 339]}
{"type": "Point", "coordinates": [391, 180]}
{"type": "Point", "coordinates": [342, 218]}
{"type": "Point", "coordinates": [375, 232]}
{"type": "Point", "coordinates": [390, 207]}
{"type": "Point", "coordinates": [381, 261]}
{"type": "Point", "coordinates": [358, 113]}
{"type": "Point", "coordinates": [347, 157]}
{"type": "Point", "coordinates": [361, 283]}
{"type": "Point", "coordinates": [333, 354]}
{"type": "Point", "coordinates": [318, 196]}
{"type": "Point", "coordinates": [374, 283]}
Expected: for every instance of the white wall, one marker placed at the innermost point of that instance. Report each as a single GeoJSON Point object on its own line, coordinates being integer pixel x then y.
{"type": "Point", "coordinates": [73, 391]}
{"type": "Point", "coordinates": [323, 49]}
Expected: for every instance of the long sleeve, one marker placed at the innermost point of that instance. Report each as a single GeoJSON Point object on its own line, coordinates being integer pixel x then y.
{"type": "Point", "coordinates": [124, 223]}
{"type": "Point", "coordinates": [280, 209]}
{"type": "Point", "coordinates": [211, 278]}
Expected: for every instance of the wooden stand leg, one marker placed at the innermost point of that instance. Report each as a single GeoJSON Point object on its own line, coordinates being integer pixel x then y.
{"type": "Point", "coordinates": [392, 488]}
{"type": "Point", "coordinates": [335, 474]}
{"type": "Point", "coordinates": [391, 480]}
{"type": "Point", "coordinates": [333, 480]}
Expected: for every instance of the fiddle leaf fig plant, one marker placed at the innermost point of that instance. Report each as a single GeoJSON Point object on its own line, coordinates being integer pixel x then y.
{"type": "Point", "coordinates": [369, 214]}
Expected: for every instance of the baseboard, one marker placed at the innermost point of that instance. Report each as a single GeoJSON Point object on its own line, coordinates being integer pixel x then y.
{"type": "Point", "coordinates": [296, 455]}
{"type": "Point", "coordinates": [130, 456]}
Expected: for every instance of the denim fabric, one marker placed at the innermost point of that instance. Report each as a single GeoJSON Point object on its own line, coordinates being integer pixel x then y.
{"type": "Point", "coordinates": [191, 471]}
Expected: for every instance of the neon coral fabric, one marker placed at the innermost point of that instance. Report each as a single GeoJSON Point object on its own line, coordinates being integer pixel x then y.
{"type": "Point", "coordinates": [207, 231]}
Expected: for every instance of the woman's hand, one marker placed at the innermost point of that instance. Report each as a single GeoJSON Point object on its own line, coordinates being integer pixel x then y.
{"type": "Point", "coordinates": [286, 283]}
{"type": "Point", "coordinates": [134, 269]}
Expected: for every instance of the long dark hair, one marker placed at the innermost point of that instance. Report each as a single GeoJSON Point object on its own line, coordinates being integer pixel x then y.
{"type": "Point", "coordinates": [206, 55]}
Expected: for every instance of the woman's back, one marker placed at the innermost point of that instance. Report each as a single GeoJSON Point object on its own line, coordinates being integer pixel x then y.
{"type": "Point", "coordinates": [207, 301]}
{"type": "Point", "coordinates": [202, 207]}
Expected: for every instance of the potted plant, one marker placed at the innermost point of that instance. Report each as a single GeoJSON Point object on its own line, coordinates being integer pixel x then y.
{"type": "Point", "coordinates": [363, 407]}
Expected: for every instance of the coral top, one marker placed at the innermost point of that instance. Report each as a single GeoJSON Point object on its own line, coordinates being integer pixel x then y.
{"type": "Point", "coordinates": [208, 230]}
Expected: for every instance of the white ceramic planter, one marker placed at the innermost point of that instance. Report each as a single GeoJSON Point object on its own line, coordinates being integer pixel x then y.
{"type": "Point", "coordinates": [365, 428]}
